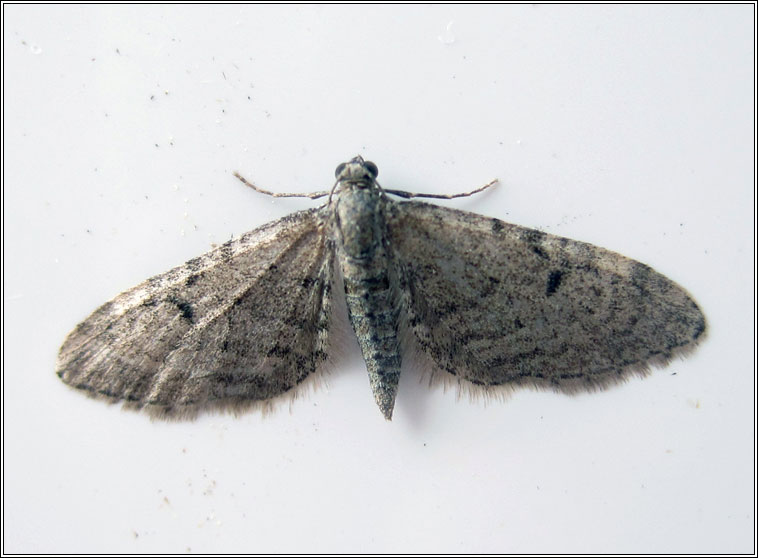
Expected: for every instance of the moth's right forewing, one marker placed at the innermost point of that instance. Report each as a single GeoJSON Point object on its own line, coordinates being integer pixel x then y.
{"type": "Point", "coordinates": [494, 303]}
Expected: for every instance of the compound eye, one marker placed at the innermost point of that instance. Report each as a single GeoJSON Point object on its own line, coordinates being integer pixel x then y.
{"type": "Point", "coordinates": [371, 168]}
{"type": "Point", "coordinates": [339, 170]}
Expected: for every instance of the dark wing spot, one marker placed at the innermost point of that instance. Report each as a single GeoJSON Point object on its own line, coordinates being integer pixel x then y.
{"type": "Point", "coordinates": [192, 279]}
{"type": "Point", "coordinates": [553, 281]}
{"type": "Point", "coordinates": [540, 252]}
{"type": "Point", "coordinates": [184, 307]}
{"type": "Point", "coordinates": [308, 282]}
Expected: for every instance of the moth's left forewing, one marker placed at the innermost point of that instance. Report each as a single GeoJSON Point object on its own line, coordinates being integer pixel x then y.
{"type": "Point", "coordinates": [494, 303]}
{"type": "Point", "coordinates": [243, 323]}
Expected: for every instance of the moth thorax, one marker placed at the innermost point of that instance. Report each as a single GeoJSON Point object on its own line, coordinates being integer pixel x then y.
{"type": "Point", "coordinates": [360, 220]}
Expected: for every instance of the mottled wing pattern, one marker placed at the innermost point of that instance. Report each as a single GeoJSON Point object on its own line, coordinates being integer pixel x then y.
{"type": "Point", "coordinates": [242, 323]}
{"type": "Point", "coordinates": [495, 303]}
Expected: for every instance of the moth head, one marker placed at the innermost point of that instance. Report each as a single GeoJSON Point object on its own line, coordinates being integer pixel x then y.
{"type": "Point", "coordinates": [357, 171]}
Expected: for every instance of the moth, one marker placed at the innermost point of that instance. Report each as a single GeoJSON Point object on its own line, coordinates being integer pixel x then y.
{"type": "Point", "coordinates": [492, 304]}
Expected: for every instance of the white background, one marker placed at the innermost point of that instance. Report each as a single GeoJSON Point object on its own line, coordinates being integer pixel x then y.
{"type": "Point", "coordinates": [630, 127]}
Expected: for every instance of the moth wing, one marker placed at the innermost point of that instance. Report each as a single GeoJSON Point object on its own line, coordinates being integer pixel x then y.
{"type": "Point", "coordinates": [495, 303]}
{"type": "Point", "coordinates": [242, 323]}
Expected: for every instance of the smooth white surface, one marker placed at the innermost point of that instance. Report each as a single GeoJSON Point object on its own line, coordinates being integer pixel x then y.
{"type": "Point", "coordinates": [627, 126]}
